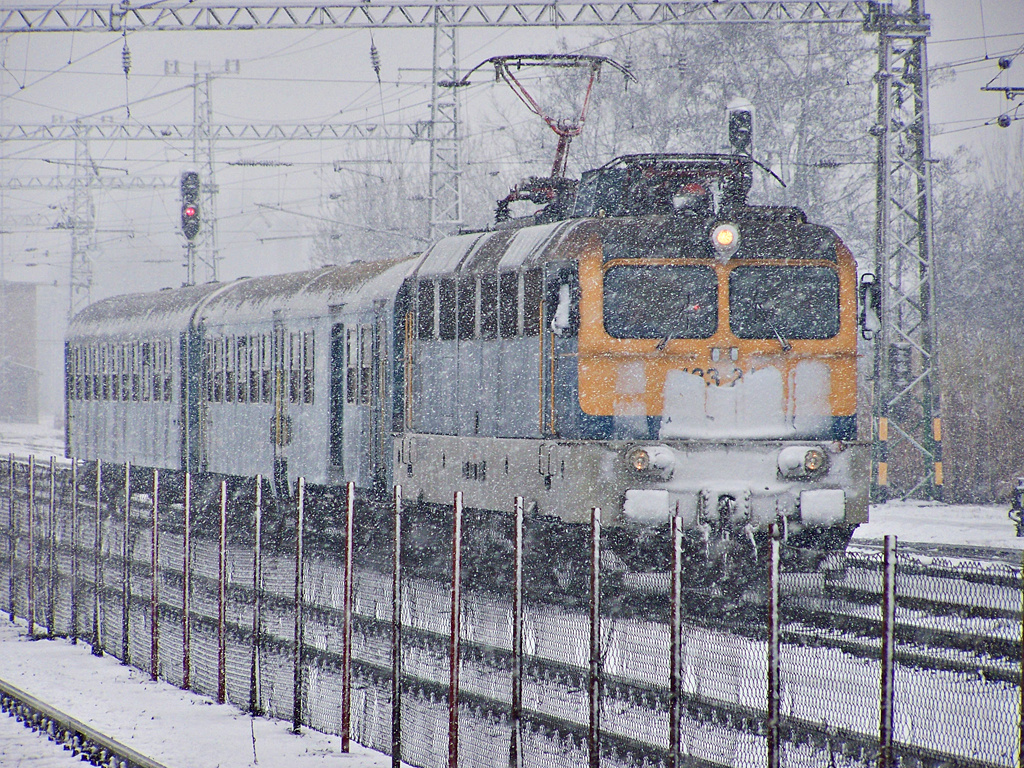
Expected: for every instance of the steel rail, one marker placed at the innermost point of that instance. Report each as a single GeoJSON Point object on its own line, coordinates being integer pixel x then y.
{"type": "Point", "coordinates": [72, 734]}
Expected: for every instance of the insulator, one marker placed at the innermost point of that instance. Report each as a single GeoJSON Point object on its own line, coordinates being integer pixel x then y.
{"type": "Point", "coordinates": [126, 59]}
{"type": "Point", "coordinates": [375, 60]}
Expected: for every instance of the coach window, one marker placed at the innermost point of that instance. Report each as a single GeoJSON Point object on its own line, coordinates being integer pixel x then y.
{"type": "Point", "coordinates": [168, 371]}
{"type": "Point", "coordinates": [446, 308]}
{"type": "Point", "coordinates": [337, 395]}
{"type": "Point", "coordinates": [293, 366]}
{"type": "Point", "coordinates": [352, 367]}
{"type": "Point", "coordinates": [230, 377]}
{"type": "Point", "coordinates": [508, 309]}
{"type": "Point", "coordinates": [146, 348]}
{"type": "Point", "coordinates": [307, 367]}
{"type": "Point", "coordinates": [425, 316]}
{"type": "Point", "coordinates": [467, 306]}
{"type": "Point", "coordinates": [125, 363]}
{"type": "Point", "coordinates": [266, 367]}
{"type": "Point", "coordinates": [116, 368]}
{"type": "Point", "coordinates": [87, 379]}
{"type": "Point", "coordinates": [242, 369]}
{"type": "Point", "coordinates": [105, 365]}
{"type": "Point", "coordinates": [488, 306]}
{"type": "Point", "coordinates": [165, 366]}
{"type": "Point", "coordinates": [217, 365]}
{"type": "Point", "coordinates": [126, 371]}
{"type": "Point", "coordinates": [365, 359]}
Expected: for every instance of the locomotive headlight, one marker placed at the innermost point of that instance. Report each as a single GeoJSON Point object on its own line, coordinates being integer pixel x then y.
{"type": "Point", "coordinates": [639, 460]}
{"type": "Point", "coordinates": [725, 238]}
{"type": "Point", "coordinates": [652, 460]}
{"type": "Point", "coordinates": [814, 460]}
{"type": "Point", "coordinates": [802, 461]}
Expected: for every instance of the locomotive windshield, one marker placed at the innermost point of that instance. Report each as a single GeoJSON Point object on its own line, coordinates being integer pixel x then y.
{"type": "Point", "coordinates": [788, 302]}
{"type": "Point", "coordinates": [662, 301]}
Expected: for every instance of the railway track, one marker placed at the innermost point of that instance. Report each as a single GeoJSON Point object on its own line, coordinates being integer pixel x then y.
{"type": "Point", "coordinates": [78, 738]}
{"type": "Point", "coordinates": [953, 621]}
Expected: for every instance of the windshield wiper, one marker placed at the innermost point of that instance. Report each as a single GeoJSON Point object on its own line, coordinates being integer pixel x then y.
{"type": "Point", "coordinates": [786, 346]}
{"type": "Point", "coordinates": [676, 328]}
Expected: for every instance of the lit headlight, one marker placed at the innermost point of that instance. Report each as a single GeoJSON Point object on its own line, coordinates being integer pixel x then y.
{"type": "Point", "coordinates": [652, 460]}
{"type": "Point", "coordinates": [802, 461]}
{"type": "Point", "coordinates": [726, 240]}
{"type": "Point", "coordinates": [639, 460]}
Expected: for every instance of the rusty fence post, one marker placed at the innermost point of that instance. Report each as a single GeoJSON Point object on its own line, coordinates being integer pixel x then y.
{"type": "Point", "coordinates": [97, 564]}
{"type": "Point", "coordinates": [154, 601]}
{"type": "Point", "coordinates": [126, 568]}
{"type": "Point", "coordinates": [396, 635]}
{"type": "Point", "coordinates": [30, 575]}
{"type": "Point", "coordinates": [594, 687]}
{"type": "Point", "coordinates": [51, 553]}
{"type": "Point", "coordinates": [676, 644]}
{"type": "Point", "coordinates": [74, 552]}
{"type": "Point", "coordinates": [186, 587]}
{"type": "Point", "coordinates": [257, 597]}
{"type": "Point", "coordinates": [346, 638]}
{"type": "Point", "coordinates": [885, 734]}
{"type": "Point", "coordinates": [299, 602]}
{"type": "Point", "coordinates": [515, 752]}
{"type": "Point", "coordinates": [455, 647]}
{"type": "Point", "coordinates": [222, 572]}
{"type": "Point", "coordinates": [774, 650]}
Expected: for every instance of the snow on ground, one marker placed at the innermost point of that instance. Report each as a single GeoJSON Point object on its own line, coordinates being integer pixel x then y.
{"type": "Point", "coordinates": [969, 525]}
{"type": "Point", "coordinates": [173, 727]}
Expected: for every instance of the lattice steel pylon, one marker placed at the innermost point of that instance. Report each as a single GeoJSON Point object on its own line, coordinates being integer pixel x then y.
{"type": "Point", "coordinates": [81, 221]}
{"type": "Point", "coordinates": [906, 399]}
{"type": "Point", "coordinates": [445, 197]}
{"type": "Point", "coordinates": [205, 251]}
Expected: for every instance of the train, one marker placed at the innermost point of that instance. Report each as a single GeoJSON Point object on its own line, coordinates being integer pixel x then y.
{"type": "Point", "coordinates": [647, 342]}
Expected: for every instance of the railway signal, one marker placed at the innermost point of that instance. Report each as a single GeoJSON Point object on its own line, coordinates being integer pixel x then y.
{"type": "Point", "coordinates": [190, 187]}
{"type": "Point", "coordinates": [741, 125]}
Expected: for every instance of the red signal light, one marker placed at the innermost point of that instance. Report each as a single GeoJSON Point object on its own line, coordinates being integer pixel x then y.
{"type": "Point", "coordinates": [190, 211]}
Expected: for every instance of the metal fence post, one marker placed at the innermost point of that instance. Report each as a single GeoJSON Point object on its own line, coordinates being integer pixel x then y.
{"type": "Point", "coordinates": [515, 752]}
{"type": "Point", "coordinates": [594, 733]}
{"type": "Point", "coordinates": [154, 603]}
{"type": "Point", "coordinates": [455, 648]}
{"type": "Point", "coordinates": [97, 564]}
{"type": "Point", "coordinates": [885, 735]}
{"type": "Point", "coordinates": [12, 551]}
{"type": "Point", "coordinates": [676, 644]}
{"type": "Point", "coordinates": [30, 566]}
{"type": "Point", "coordinates": [51, 554]}
{"type": "Point", "coordinates": [299, 633]}
{"type": "Point", "coordinates": [222, 563]}
{"type": "Point", "coordinates": [396, 635]}
{"type": "Point", "coordinates": [126, 569]}
{"type": "Point", "coordinates": [186, 588]}
{"type": "Point", "coordinates": [774, 650]}
{"type": "Point", "coordinates": [257, 592]}
{"type": "Point", "coordinates": [346, 638]}
{"type": "Point", "coordinates": [74, 551]}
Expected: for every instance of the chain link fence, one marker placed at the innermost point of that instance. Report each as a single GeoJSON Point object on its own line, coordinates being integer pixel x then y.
{"type": "Point", "coordinates": [895, 660]}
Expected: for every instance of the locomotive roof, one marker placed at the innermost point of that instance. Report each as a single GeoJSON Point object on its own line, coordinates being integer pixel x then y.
{"type": "Point", "coordinates": [295, 293]}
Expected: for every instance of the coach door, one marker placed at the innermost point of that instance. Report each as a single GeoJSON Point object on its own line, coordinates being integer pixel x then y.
{"type": "Point", "coordinates": [380, 420]}
{"type": "Point", "coordinates": [280, 426]}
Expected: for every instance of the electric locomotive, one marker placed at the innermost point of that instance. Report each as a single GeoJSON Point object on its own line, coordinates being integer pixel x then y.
{"type": "Point", "coordinates": [647, 342]}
